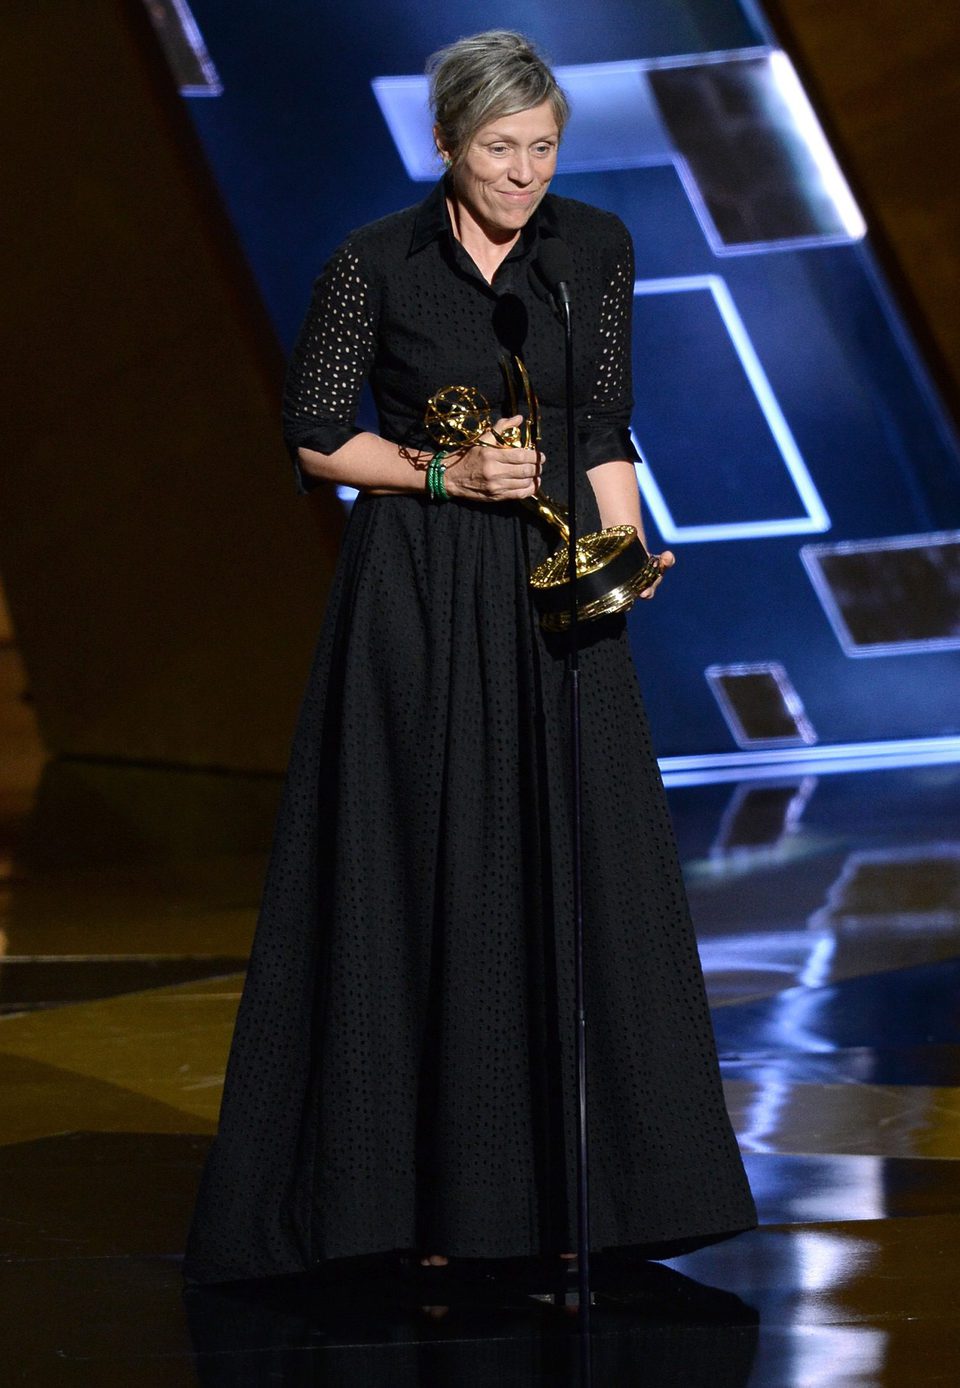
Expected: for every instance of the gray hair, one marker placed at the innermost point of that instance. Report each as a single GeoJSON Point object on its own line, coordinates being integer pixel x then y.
{"type": "Point", "coordinates": [480, 78]}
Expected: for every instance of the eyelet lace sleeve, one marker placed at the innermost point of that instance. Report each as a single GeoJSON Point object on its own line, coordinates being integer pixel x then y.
{"type": "Point", "coordinates": [603, 426]}
{"type": "Point", "coordinates": [332, 354]}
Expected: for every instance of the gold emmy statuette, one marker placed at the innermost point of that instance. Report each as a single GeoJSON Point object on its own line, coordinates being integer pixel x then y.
{"type": "Point", "coordinates": [613, 567]}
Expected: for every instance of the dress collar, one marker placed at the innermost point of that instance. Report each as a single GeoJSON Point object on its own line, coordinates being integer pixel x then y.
{"type": "Point", "coordinates": [433, 223]}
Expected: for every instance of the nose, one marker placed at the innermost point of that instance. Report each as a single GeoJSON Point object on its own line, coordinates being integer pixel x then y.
{"type": "Point", "coordinates": [522, 168]}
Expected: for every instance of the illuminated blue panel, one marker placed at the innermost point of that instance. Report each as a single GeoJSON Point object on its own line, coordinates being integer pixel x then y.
{"type": "Point", "coordinates": [405, 105]}
{"type": "Point", "coordinates": [912, 888]}
{"type": "Point", "coordinates": [791, 194]}
{"type": "Point", "coordinates": [698, 473]}
{"type": "Point", "coordinates": [759, 819]}
{"type": "Point", "coordinates": [752, 156]}
{"type": "Point", "coordinates": [899, 595]}
{"type": "Point", "coordinates": [760, 705]}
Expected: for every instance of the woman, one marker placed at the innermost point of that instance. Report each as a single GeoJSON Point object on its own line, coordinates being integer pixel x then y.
{"type": "Point", "coordinates": [402, 1071]}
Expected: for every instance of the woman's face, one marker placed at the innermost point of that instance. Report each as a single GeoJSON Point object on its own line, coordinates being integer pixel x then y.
{"type": "Point", "coordinates": [506, 169]}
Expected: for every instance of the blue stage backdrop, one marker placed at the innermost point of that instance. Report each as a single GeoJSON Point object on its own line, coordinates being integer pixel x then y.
{"type": "Point", "coordinates": [796, 458]}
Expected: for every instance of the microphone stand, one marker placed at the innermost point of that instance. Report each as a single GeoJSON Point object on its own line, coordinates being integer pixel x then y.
{"type": "Point", "coordinates": [573, 667]}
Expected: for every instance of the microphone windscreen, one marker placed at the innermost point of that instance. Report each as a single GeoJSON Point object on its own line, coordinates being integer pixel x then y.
{"type": "Point", "coordinates": [556, 263]}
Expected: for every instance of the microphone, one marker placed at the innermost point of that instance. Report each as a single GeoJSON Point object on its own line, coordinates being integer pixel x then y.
{"type": "Point", "coordinates": [556, 268]}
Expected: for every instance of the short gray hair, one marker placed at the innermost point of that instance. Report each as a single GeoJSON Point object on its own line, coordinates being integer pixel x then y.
{"type": "Point", "coordinates": [486, 76]}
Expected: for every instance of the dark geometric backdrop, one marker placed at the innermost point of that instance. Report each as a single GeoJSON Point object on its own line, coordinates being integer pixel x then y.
{"type": "Point", "coordinates": [796, 457]}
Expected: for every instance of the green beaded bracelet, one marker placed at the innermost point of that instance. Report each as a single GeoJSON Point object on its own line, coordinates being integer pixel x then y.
{"type": "Point", "coordinates": [435, 483]}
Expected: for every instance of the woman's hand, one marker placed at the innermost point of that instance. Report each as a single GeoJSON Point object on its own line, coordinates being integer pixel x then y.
{"type": "Point", "coordinates": [492, 472]}
{"type": "Point", "coordinates": [667, 561]}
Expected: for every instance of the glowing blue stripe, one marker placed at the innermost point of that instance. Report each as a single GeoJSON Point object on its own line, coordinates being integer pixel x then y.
{"type": "Point", "coordinates": [712, 768]}
{"type": "Point", "coordinates": [211, 85]}
{"type": "Point", "coordinates": [808, 127]}
{"type": "Point", "coordinates": [815, 520]}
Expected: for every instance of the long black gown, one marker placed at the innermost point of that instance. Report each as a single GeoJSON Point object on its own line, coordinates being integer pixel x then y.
{"type": "Point", "coordinates": [402, 1070]}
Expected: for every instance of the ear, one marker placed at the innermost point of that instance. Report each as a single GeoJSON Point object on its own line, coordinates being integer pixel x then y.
{"type": "Point", "coordinates": [442, 150]}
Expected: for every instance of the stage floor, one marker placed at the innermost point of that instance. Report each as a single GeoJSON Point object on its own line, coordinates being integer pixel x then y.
{"type": "Point", "coordinates": [827, 912]}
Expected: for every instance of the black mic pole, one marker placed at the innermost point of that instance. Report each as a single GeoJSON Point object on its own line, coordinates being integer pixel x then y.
{"type": "Point", "coordinates": [560, 265]}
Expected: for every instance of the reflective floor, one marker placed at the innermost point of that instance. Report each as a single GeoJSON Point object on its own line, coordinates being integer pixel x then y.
{"type": "Point", "coordinates": [828, 916]}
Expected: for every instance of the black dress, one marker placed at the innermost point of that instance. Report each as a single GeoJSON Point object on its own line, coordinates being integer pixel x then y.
{"type": "Point", "coordinates": [402, 1070]}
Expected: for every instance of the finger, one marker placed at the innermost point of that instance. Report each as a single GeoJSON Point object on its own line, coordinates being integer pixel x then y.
{"type": "Point", "coordinates": [522, 474]}
{"type": "Point", "coordinates": [649, 592]}
{"type": "Point", "coordinates": [667, 559]}
{"type": "Point", "coordinates": [524, 488]}
{"type": "Point", "coordinates": [508, 493]}
{"type": "Point", "coordinates": [506, 466]}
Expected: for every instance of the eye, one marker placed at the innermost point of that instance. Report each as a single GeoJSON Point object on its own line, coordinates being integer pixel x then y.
{"type": "Point", "coordinates": [543, 149]}
{"type": "Point", "coordinates": [497, 149]}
